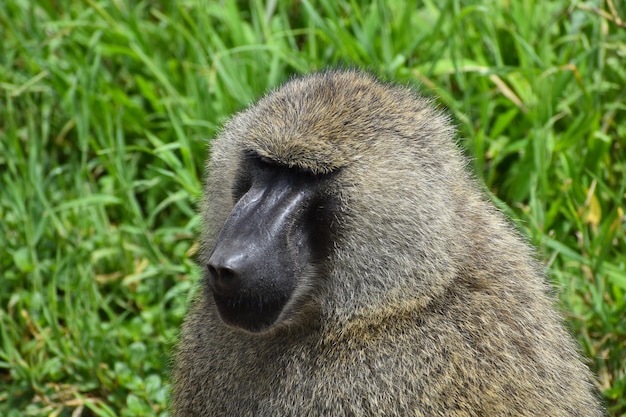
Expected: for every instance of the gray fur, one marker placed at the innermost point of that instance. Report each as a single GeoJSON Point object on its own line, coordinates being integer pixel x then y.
{"type": "Point", "coordinates": [429, 303]}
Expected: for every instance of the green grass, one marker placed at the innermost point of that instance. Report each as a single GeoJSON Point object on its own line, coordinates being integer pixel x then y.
{"type": "Point", "coordinates": [107, 108]}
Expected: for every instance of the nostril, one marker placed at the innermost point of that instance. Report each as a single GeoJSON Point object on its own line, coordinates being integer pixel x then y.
{"type": "Point", "coordinates": [213, 272]}
{"type": "Point", "coordinates": [225, 280]}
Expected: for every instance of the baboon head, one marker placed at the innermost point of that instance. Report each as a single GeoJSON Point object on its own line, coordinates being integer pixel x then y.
{"type": "Point", "coordinates": [330, 195]}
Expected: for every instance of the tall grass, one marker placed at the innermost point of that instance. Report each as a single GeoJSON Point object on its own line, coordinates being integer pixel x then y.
{"type": "Point", "coordinates": [107, 109]}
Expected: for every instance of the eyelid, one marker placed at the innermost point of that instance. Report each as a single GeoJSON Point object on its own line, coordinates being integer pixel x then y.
{"type": "Point", "coordinates": [254, 157]}
{"type": "Point", "coordinates": [266, 160]}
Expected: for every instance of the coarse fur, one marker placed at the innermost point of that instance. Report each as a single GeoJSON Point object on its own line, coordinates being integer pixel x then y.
{"type": "Point", "coordinates": [427, 302]}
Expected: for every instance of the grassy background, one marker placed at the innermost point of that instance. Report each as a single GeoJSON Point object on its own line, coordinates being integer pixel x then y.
{"type": "Point", "coordinates": [106, 109]}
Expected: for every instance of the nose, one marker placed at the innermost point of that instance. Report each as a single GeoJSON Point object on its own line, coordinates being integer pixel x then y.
{"type": "Point", "coordinates": [225, 280]}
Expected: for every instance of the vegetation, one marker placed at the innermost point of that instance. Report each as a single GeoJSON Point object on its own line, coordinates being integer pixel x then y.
{"type": "Point", "coordinates": [107, 108]}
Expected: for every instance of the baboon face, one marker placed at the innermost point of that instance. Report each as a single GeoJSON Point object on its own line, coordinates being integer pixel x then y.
{"type": "Point", "coordinates": [273, 238]}
{"type": "Point", "coordinates": [321, 195]}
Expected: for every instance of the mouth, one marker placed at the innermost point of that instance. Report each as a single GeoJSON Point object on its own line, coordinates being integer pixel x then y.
{"type": "Point", "coordinates": [254, 314]}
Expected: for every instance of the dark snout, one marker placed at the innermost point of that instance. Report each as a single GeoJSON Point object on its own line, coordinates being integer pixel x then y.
{"type": "Point", "coordinates": [261, 251]}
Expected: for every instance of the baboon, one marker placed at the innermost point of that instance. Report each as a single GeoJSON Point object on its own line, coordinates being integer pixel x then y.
{"type": "Point", "coordinates": [354, 267]}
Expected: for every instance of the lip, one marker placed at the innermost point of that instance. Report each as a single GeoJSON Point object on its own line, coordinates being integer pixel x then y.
{"type": "Point", "coordinates": [253, 314]}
